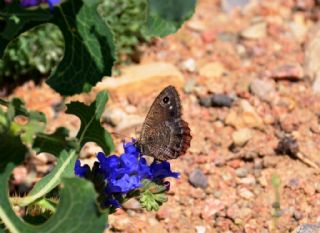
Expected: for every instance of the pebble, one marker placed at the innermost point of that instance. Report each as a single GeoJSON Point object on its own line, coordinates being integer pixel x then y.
{"type": "Point", "coordinates": [201, 229]}
{"type": "Point", "coordinates": [132, 204]}
{"type": "Point", "coordinates": [198, 179]}
{"type": "Point", "coordinates": [229, 5]}
{"type": "Point", "coordinates": [211, 207]}
{"type": "Point", "coordinates": [316, 85]}
{"type": "Point", "coordinates": [212, 70]}
{"type": "Point", "coordinates": [244, 117]}
{"type": "Point", "coordinates": [255, 31]}
{"type": "Point", "coordinates": [216, 100]}
{"type": "Point", "coordinates": [190, 86]}
{"type": "Point", "coordinates": [114, 116]}
{"type": "Point", "coordinates": [248, 180]}
{"type": "Point", "coordinates": [241, 136]}
{"type": "Point", "coordinates": [269, 161]}
{"type": "Point", "coordinates": [263, 89]}
{"type": "Point", "coordinates": [308, 228]}
{"type": "Point", "coordinates": [242, 172]}
{"type": "Point", "coordinates": [246, 193]}
{"type": "Point", "coordinates": [297, 215]}
{"type": "Point", "coordinates": [291, 72]}
{"type": "Point", "coordinates": [189, 65]}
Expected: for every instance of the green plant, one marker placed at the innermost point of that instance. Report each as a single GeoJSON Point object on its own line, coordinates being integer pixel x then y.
{"type": "Point", "coordinates": [126, 19]}
{"type": "Point", "coordinates": [34, 54]}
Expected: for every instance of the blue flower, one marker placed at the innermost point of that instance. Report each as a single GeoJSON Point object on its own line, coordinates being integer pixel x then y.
{"type": "Point", "coordinates": [29, 3]}
{"type": "Point", "coordinates": [81, 170]}
{"type": "Point", "coordinates": [162, 170]}
{"type": "Point", "coordinates": [52, 3]}
{"type": "Point", "coordinates": [124, 173]}
{"type": "Point", "coordinates": [123, 185]}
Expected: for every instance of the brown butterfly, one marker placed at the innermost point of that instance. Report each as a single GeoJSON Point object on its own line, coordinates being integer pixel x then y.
{"type": "Point", "coordinates": [164, 134]}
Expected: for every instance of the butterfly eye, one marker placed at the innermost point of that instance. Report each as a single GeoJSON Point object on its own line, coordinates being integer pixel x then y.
{"type": "Point", "coordinates": [165, 100]}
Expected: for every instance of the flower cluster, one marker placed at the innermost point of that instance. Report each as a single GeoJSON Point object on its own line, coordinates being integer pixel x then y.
{"type": "Point", "coordinates": [125, 173]}
{"type": "Point", "coordinates": [29, 3]}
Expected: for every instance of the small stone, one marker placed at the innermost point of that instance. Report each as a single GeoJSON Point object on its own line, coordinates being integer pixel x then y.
{"type": "Point", "coordinates": [196, 25]}
{"type": "Point", "coordinates": [229, 5]}
{"type": "Point", "coordinates": [211, 207]}
{"type": "Point", "coordinates": [208, 36]}
{"type": "Point", "coordinates": [242, 172]}
{"type": "Point", "coordinates": [269, 161]}
{"type": "Point", "coordinates": [190, 86]}
{"type": "Point", "coordinates": [255, 31]}
{"type": "Point", "coordinates": [241, 136]}
{"type": "Point", "coordinates": [156, 228]}
{"type": "Point", "coordinates": [291, 72]}
{"type": "Point", "coordinates": [245, 193]}
{"type": "Point", "coordinates": [228, 37]}
{"type": "Point", "coordinates": [297, 215]}
{"type": "Point", "coordinates": [198, 179]}
{"type": "Point", "coordinates": [309, 189]}
{"type": "Point", "coordinates": [247, 180]}
{"type": "Point", "coordinates": [316, 85]}
{"type": "Point", "coordinates": [189, 65]}
{"type": "Point", "coordinates": [113, 116]}
{"type": "Point", "coordinates": [131, 121]}
{"type": "Point", "coordinates": [250, 116]}
{"type": "Point", "coordinates": [212, 70]}
{"type": "Point", "coordinates": [308, 228]}
{"type": "Point", "coordinates": [221, 100]}
{"type": "Point", "coordinates": [132, 204]}
{"type": "Point", "coordinates": [263, 89]}
{"type": "Point", "coordinates": [216, 100]}
{"type": "Point", "coordinates": [122, 224]}
{"type": "Point", "coordinates": [298, 27]}
{"type": "Point", "coordinates": [201, 229]}
{"type": "Point", "coordinates": [205, 101]}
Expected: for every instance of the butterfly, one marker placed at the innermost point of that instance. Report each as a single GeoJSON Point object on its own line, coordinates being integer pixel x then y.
{"type": "Point", "coordinates": [165, 135]}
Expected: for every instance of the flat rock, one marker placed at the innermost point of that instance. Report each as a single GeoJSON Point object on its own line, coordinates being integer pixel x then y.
{"type": "Point", "coordinates": [291, 72]}
{"type": "Point", "coordinates": [142, 80]}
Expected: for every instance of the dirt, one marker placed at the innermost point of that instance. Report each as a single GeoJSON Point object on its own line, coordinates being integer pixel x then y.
{"type": "Point", "coordinates": [255, 56]}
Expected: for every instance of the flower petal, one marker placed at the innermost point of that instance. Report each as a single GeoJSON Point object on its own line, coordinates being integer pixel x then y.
{"type": "Point", "coordinates": [162, 170]}
{"type": "Point", "coordinates": [81, 170]}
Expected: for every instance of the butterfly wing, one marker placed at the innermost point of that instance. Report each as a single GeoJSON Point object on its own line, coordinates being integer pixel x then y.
{"type": "Point", "coordinates": [164, 134]}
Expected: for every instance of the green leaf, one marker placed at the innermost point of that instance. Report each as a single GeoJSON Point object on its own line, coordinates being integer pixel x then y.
{"type": "Point", "coordinates": [76, 212]}
{"type": "Point", "coordinates": [151, 201]}
{"type": "Point", "coordinates": [36, 121]}
{"type": "Point", "coordinates": [167, 16]}
{"type": "Point", "coordinates": [12, 151]}
{"type": "Point", "coordinates": [54, 143]}
{"type": "Point", "coordinates": [152, 195]}
{"type": "Point", "coordinates": [91, 129]}
{"type": "Point", "coordinates": [89, 49]}
{"type": "Point", "coordinates": [17, 20]}
{"type": "Point", "coordinates": [64, 168]}
{"type": "Point", "coordinates": [29, 130]}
